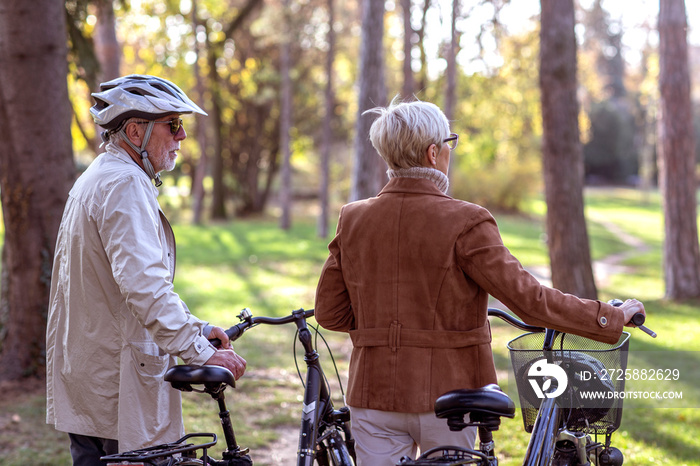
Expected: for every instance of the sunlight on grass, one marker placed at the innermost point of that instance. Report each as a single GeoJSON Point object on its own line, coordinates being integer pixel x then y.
{"type": "Point", "coordinates": [225, 267]}
{"type": "Point", "coordinates": [254, 264]}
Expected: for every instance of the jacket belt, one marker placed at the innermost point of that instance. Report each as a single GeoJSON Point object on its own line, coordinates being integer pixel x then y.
{"type": "Point", "coordinates": [397, 336]}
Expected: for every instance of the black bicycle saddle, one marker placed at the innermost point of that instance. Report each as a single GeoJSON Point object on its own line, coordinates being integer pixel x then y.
{"type": "Point", "coordinates": [482, 404]}
{"type": "Point", "coordinates": [183, 377]}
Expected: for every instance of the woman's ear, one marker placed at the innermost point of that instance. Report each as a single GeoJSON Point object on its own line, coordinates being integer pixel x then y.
{"type": "Point", "coordinates": [431, 156]}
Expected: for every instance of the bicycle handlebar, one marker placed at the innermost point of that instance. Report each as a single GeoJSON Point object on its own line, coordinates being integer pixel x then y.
{"type": "Point", "coordinates": [249, 321]}
{"type": "Point", "coordinates": [514, 321]}
{"type": "Point", "coordinates": [638, 320]}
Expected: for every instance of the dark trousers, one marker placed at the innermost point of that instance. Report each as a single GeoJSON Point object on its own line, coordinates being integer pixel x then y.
{"type": "Point", "coordinates": [86, 451]}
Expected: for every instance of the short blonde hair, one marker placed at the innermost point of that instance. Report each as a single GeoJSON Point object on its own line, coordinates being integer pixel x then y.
{"type": "Point", "coordinates": [404, 130]}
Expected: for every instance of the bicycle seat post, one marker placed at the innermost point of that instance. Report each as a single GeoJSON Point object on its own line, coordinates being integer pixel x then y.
{"type": "Point", "coordinates": [486, 443]}
{"type": "Point", "coordinates": [233, 454]}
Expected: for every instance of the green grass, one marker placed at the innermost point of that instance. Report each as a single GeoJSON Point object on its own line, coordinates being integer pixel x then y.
{"type": "Point", "coordinates": [225, 267]}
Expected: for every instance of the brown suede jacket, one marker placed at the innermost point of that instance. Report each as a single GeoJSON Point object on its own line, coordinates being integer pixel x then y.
{"type": "Point", "coordinates": [408, 276]}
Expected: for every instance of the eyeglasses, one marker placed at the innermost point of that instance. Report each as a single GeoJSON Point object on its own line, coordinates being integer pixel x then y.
{"type": "Point", "coordinates": [452, 140]}
{"type": "Point", "coordinates": [175, 124]}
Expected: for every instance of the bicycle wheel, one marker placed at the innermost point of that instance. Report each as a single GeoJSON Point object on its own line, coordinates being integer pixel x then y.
{"type": "Point", "coordinates": [189, 462]}
{"type": "Point", "coordinates": [333, 451]}
{"type": "Point", "coordinates": [339, 455]}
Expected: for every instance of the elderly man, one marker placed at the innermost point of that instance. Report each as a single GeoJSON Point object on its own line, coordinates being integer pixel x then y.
{"type": "Point", "coordinates": [115, 324]}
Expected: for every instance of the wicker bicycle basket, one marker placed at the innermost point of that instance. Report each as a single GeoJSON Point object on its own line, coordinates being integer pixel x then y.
{"type": "Point", "coordinates": [591, 401]}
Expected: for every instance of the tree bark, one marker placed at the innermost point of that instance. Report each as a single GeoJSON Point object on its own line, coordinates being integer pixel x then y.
{"type": "Point", "coordinates": [451, 73]}
{"type": "Point", "coordinates": [562, 153]}
{"type": "Point", "coordinates": [202, 166]}
{"type": "Point", "coordinates": [676, 146]}
{"type": "Point", "coordinates": [286, 123]}
{"type": "Point", "coordinates": [36, 171]}
{"type": "Point", "coordinates": [218, 195]}
{"type": "Point", "coordinates": [368, 176]}
{"type": "Point", "coordinates": [107, 47]}
{"type": "Point", "coordinates": [218, 207]}
{"type": "Point", "coordinates": [453, 49]}
{"type": "Point", "coordinates": [408, 81]}
{"type": "Point", "coordinates": [322, 229]}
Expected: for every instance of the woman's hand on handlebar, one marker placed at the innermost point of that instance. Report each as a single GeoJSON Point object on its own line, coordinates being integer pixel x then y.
{"type": "Point", "coordinates": [630, 308]}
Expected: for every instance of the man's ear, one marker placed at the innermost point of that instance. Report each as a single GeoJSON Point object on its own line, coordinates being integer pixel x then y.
{"type": "Point", "coordinates": [133, 133]}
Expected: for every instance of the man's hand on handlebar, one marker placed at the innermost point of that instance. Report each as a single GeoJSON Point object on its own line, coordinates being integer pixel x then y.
{"type": "Point", "coordinates": [220, 334]}
{"type": "Point", "coordinates": [630, 308]}
{"type": "Point", "coordinates": [225, 356]}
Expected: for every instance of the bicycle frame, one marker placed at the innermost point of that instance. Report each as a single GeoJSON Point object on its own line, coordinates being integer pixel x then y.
{"type": "Point", "coordinates": [317, 405]}
{"type": "Point", "coordinates": [318, 418]}
{"type": "Point", "coordinates": [320, 436]}
{"type": "Point", "coordinates": [542, 444]}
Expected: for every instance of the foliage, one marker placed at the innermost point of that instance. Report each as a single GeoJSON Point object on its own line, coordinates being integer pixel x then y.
{"type": "Point", "coordinates": [497, 161]}
{"type": "Point", "coordinates": [610, 154]}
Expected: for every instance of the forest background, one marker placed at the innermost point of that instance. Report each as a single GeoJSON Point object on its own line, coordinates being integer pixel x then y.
{"type": "Point", "coordinates": [283, 82]}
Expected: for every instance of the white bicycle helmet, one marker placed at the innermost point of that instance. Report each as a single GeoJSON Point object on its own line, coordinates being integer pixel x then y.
{"type": "Point", "coordinates": [140, 96]}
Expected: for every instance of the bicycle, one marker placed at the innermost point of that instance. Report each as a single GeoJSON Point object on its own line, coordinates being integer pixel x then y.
{"type": "Point", "coordinates": [556, 414]}
{"type": "Point", "coordinates": [324, 437]}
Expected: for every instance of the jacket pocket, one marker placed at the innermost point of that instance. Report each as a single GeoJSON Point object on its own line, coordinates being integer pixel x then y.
{"type": "Point", "coordinates": [148, 359]}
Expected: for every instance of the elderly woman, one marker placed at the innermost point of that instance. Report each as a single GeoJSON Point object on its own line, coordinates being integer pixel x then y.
{"type": "Point", "coordinates": [409, 276]}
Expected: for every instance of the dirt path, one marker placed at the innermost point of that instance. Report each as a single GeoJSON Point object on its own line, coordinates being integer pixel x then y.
{"type": "Point", "coordinates": [280, 453]}
{"type": "Point", "coordinates": [608, 266]}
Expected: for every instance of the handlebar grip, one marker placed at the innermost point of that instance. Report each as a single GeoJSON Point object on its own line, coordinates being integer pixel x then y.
{"type": "Point", "coordinates": [638, 319]}
{"type": "Point", "coordinates": [234, 333]}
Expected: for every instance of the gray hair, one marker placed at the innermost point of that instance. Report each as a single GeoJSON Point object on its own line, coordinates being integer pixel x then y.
{"type": "Point", "coordinates": [114, 136]}
{"type": "Point", "coordinates": [404, 130]}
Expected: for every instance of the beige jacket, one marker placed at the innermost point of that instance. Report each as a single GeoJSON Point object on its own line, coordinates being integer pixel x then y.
{"type": "Point", "coordinates": [115, 325]}
{"type": "Point", "coordinates": [409, 275]}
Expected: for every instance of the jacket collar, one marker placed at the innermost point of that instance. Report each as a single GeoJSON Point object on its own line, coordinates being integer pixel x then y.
{"type": "Point", "coordinates": [401, 185]}
{"type": "Point", "coordinates": [122, 155]}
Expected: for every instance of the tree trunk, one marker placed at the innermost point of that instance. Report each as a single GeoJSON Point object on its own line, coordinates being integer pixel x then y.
{"type": "Point", "coordinates": [216, 87]}
{"type": "Point", "coordinates": [218, 201]}
{"type": "Point", "coordinates": [451, 73]}
{"type": "Point", "coordinates": [562, 154]}
{"type": "Point", "coordinates": [451, 89]}
{"type": "Point", "coordinates": [107, 47]}
{"type": "Point", "coordinates": [408, 81]}
{"type": "Point", "coordinates": [676, 146]}
{"type": "Point", "coordinates": [201, 167]}
{"type": "Point", "coordinates": [323, 219]}
{"type": "Point", "coordinates": [423, 75]}
{"type": "Point", "coordinates": [36, 171]}
{"type": "Point", "coordinates": [286, 123]}
{"type": "Point", "coordinates": [368, 176]}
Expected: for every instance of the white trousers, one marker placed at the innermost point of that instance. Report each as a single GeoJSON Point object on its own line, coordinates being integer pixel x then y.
{"type": "Point", "coordinates": [383, 437]}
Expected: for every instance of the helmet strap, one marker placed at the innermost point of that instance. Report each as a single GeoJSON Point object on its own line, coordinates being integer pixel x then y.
{"type": "Point", "coordinates": [147, 166]}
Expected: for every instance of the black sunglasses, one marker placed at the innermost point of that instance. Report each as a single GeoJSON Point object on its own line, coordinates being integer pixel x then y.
{"type": "Point", "coordinates": [175, 124]}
